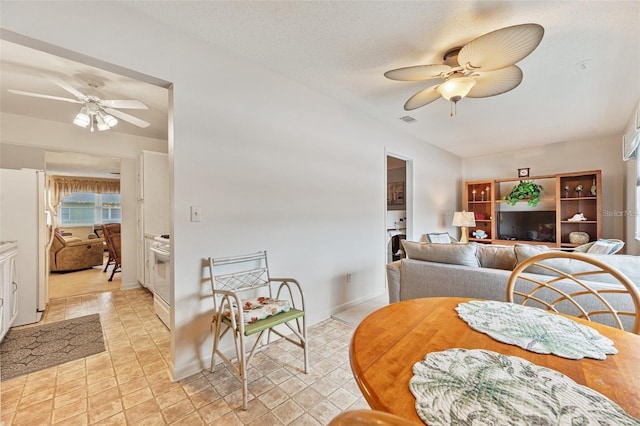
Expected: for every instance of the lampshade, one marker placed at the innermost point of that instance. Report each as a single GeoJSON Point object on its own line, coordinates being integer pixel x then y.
{"type": "Point", "coordinates": [82, 119]}
{"type": "Point", "coordinates": [455, 89]}
{"type": "Point", "coordinates": [463, 218]}
{"type": "Point", "coordinates": [109, 119]}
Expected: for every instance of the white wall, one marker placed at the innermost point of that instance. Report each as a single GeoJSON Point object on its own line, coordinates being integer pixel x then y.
{"type": "Point", "coordinates": [597, 154]}
{"type": "Point", "coordinates": [631, 212]}
{"type": "Point", "coordinates": [273, 165]}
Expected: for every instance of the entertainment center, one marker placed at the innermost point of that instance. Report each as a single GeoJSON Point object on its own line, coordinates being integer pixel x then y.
{"type": "Point", "coordinates": [568, 213]}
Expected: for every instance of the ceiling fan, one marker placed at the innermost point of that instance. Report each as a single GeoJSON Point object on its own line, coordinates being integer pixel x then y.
{"type": "Point", "coordinates": [96, 112]}
{"type": "Point", "coordinates": [482, 68]}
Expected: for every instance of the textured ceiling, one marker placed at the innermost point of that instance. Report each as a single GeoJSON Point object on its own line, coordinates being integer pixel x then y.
{"type": "Point", "coordinates": [581, 82]}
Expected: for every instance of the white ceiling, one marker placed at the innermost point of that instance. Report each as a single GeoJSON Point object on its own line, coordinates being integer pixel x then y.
{"type": "Point", "coordinates": [581, 82]}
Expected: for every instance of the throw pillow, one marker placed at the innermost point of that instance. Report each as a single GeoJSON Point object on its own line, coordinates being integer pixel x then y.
{"type": "Point", "coordinates": [496, 256]}
{"type": "Point", "coordinates": [439, 238]}
{"type": "Point", "coordinates": [455, 254]}
{"type": "Point", "coordinates": [605, 247]}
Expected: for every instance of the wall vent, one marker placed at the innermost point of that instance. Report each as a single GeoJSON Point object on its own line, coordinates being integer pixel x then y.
{"type": "Point", "coordinates": [407, 119]}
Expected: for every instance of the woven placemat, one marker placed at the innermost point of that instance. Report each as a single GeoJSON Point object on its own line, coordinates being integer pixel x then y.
{"type": "Point", "coordinates": [535, 330]}
{"type": "Point", "coordinates": [480, 387]}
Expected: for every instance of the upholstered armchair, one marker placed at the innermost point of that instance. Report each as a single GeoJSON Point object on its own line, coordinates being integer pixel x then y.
{"type": "Point", "coordinates": [72, 253]}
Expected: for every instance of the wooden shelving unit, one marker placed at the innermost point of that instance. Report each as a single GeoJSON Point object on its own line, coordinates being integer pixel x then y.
{"type": "Point", "coordinates": [479, 200]}
{"type": "Point", "coordinates": [484, 199]}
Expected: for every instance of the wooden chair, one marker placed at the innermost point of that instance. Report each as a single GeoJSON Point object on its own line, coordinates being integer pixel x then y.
{"type": "Point", "coordinates": [109, 229]}
{"type": "Point", "coordinates": [571, 292]}
{"type": "Point", "coordinates": [235, 283]}
{"type": "Point", "coordinates": [369, 418]}
{"type": "Point", "coordinates": [116, 246]}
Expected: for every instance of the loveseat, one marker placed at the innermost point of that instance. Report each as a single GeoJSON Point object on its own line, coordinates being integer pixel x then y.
{"type": "Point", "coordinates": [481, 271]}
{"type": "Point", "coordinates": [73, 254]}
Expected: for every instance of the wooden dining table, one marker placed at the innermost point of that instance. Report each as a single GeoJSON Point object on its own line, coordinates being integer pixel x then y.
{"type": "Point", "coordinates": [388, 342]}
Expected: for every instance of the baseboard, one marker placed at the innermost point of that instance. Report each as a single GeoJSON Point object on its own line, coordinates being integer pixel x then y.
{"type": "Point", "coordinates": [353, 303]}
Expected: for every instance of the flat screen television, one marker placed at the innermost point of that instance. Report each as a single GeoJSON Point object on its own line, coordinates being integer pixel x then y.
{"type": "Point", "coordinates": [527, 225]}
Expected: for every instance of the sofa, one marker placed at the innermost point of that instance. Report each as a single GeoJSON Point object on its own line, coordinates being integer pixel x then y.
{"type": "Point", "coordinates": [482, 271]}
{"type": "Point", "coordinates": [73, 254]}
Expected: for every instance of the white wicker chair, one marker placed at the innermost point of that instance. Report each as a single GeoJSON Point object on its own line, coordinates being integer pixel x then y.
{"type": "Point", "coordinates": [237, 278]}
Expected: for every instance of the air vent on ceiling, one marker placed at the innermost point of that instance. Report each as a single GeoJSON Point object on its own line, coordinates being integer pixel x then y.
{"type": "Point", "coordinates": [407, 119]}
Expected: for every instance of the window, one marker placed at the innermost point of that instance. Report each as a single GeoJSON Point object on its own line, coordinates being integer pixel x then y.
{"type": "Point", "coordinates": [85, 208]}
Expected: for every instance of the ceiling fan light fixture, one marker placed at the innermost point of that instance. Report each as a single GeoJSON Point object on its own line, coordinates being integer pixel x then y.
{"type": "Point", "coordinates": [455, 89]}
{"type": "Point", "coordinates": [102, 126]}
{"type": "Point", "coordinates": [109, 120]}
{"type": "Point", "coordinates": [82, 119]}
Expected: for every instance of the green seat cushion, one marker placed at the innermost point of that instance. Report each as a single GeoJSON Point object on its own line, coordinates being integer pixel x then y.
{"type": "Point", "coordinates": [269, 322]}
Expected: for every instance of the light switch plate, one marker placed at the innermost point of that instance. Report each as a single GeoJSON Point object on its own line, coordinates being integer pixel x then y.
{"type": "Point", "coordinates": [196, 213]}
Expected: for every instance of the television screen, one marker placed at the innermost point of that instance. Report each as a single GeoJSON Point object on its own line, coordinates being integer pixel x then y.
{"type": "Point", "coordinates": [527, 225]}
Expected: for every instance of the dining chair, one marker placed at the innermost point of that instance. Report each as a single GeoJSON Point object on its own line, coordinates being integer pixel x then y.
{"type": "Point", "coordinates": [116, 246]}
{"type": "Point", "coordinates": [247, 303]}
{"type": "Point", "coordinates": [573, 292]}
{"type": "Point", "coordinates": [369, 418]}
{"type": "Point", "coordinates": [109, 229]}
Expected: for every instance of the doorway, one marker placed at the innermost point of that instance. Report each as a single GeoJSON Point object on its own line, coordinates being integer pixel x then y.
{"type": "Point", "coordinates": [79, 218]}
{"type": "Point", "coordinates": [398, 217]}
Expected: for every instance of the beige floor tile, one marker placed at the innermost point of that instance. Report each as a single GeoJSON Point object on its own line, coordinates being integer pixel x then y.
{"type": "Point", "coordinates": [177, 411]}
{"type": "Point", "coordinates": [142, 410]}
{"type": "Point", "coordinates": [288, 411]}
{"type": "Point", "coordinates": [68, 411]}
{"type": "Point", "coordinates": [129, 383]}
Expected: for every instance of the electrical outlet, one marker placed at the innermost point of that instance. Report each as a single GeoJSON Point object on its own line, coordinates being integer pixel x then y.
{"type": "Point", "coordinates": [348, 277]}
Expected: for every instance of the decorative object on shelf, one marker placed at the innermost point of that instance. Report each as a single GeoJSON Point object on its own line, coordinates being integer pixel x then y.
{"type": "Point", "coordinates": [566, 191]}
{"type": "Point", "coordinates": [482, 194]}
{"type": "Point", "coordinates": [579, 189]}
{"type": "Point", "coordinates": [479, 233]}
{"type": "Point", "coordinates": [487, 189]}
{"type": "Point", "coordinates": [473, 195]}
{"type": "Point", "coordinates": [578, 238]}
{"type": "Point", "coordinates": [594, 188]}
{"type": "Point", "coordinates": [578, 217]}
{"type": "Point", "coordinates": [479, 216]}
{"type": "Point", "coordinates": [525, 190]}
{"type": "Point", "coordinates": [523, 172]}
{"type": "Point", "coordinates": [463, 220]}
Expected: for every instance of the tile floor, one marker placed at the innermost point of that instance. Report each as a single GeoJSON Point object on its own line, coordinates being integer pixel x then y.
{"type": "Point", "coordinates": [129, 385]}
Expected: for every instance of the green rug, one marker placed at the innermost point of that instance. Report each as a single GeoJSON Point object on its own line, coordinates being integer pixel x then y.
{"type": "Point", "coordinates": [30, 349]}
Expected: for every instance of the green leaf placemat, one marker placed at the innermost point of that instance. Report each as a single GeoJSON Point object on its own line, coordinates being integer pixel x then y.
{"type": "Point", "coordinates": [480, 387]}
{"type": "Point", "coordinates": [535, 330]}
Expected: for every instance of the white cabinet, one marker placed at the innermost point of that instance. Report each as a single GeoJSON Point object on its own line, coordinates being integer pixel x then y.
{"type": "Point", "coordinates": [153, 214]}
{"type": "Point", "coordinates": [8, 286]}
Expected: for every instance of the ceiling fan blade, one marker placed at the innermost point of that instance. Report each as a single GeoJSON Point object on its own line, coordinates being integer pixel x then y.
{"type": "Point", "coordinates": [126, 104]}
{"type": "Point", "coordinates": [493, 83]}
{"type": "Point", "coordinates": [418, 72]}
{"type": "Point", "coordinates": [39, 95]}
{"type": "Point", "coordinates": [422, 98]}
{"type": "Point", "coordinates": [66, 86]}
{"type": "Point", "coordinates": [500, 48]}
{"type": "Point", "coordinates": [126, 117]}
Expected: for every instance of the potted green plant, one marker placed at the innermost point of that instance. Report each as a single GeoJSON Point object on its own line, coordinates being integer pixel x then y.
{"type": "Point", "coordinates": [525, 190]}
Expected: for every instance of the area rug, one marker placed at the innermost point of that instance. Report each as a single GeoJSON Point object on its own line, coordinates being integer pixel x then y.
{"type": "Point", "coordinates": [30, 349]}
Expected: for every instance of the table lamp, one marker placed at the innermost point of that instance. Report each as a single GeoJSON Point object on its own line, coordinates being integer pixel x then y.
{"type": "Point", "coordinates": [463, 220]}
